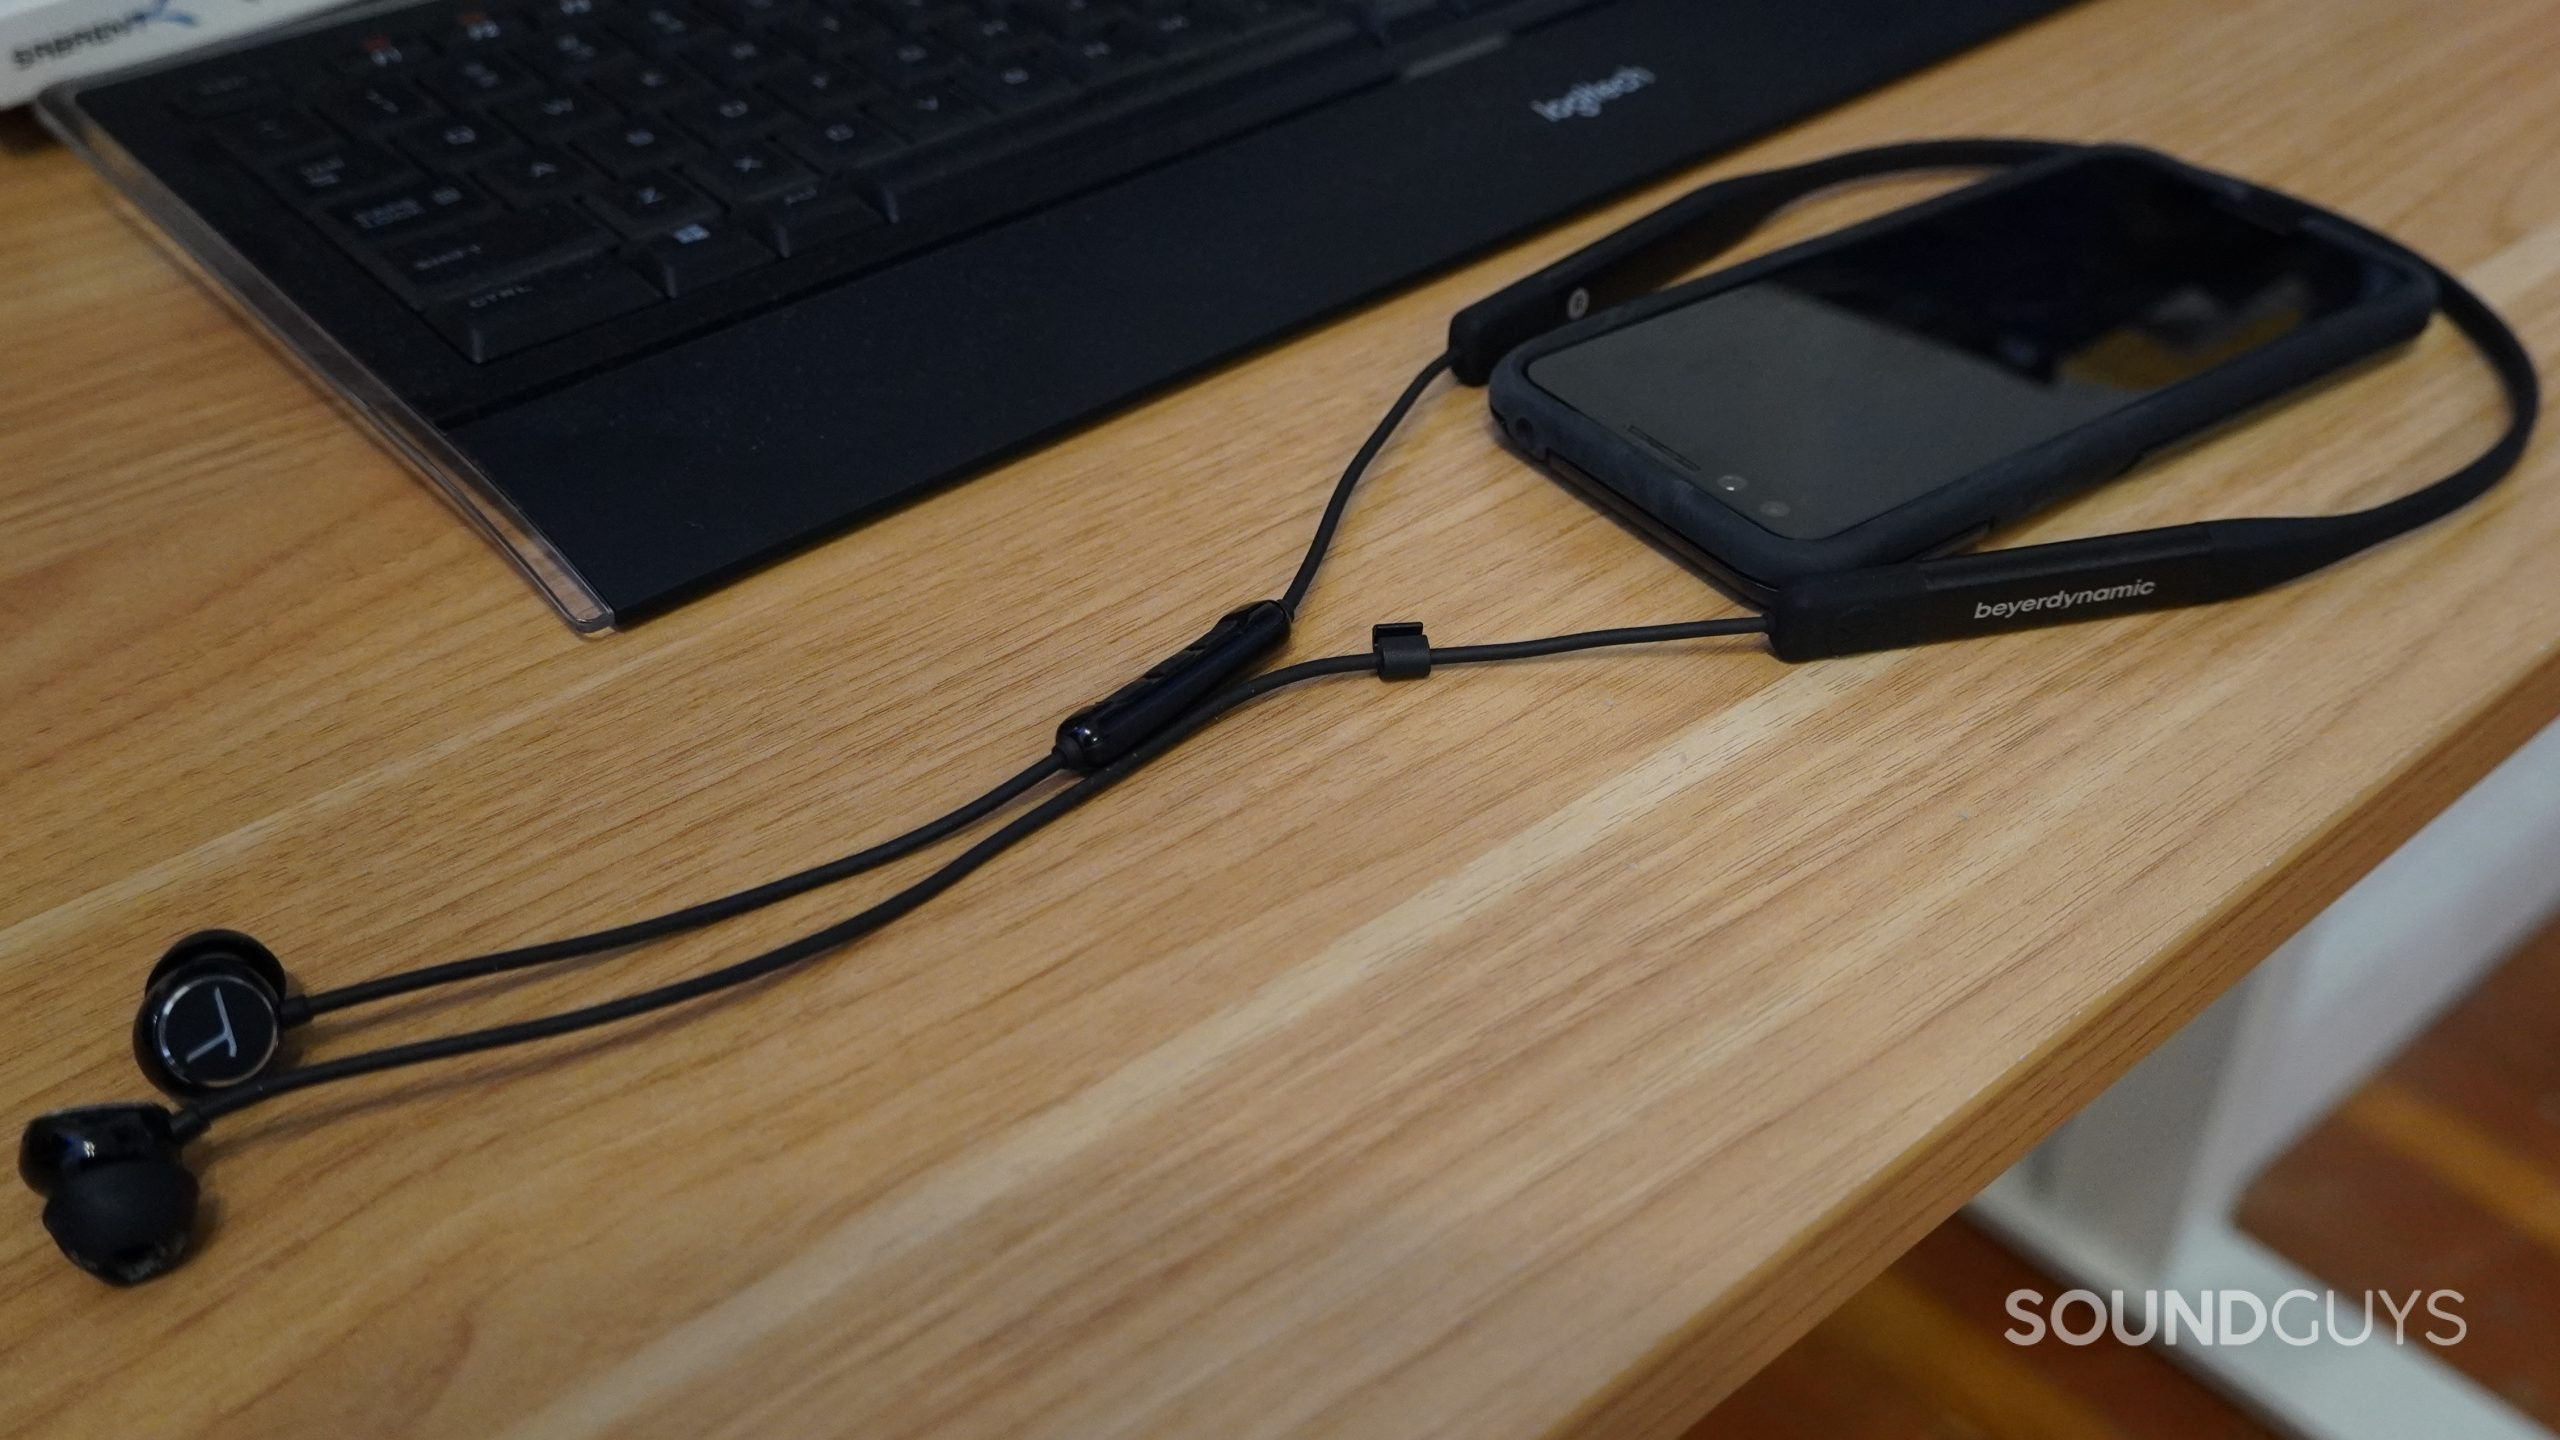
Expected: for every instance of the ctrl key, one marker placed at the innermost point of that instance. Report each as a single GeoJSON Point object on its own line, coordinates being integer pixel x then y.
{"type": "Point", "coordinates": [503, 319]}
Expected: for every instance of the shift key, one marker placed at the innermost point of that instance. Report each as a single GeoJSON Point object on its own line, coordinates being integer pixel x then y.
{"type": "Point", "coordinates": [480, 254]}
{"type": "Point", "coordinates": [504, 318]}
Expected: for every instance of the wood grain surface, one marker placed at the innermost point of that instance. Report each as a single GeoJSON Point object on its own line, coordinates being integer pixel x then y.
{"type": "Point", "coordinates": [2442, 1171]}
{"type": "Point", "coordinates": [1533, 1051]}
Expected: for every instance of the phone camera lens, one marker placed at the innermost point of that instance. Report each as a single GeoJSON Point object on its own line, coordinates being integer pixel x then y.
{"type": "Point", "coordinates": [1732, 484]}
{"type": "Point", "coordinates": [1776, 509]}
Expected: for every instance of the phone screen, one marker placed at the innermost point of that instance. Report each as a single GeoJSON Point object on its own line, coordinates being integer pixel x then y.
{"type": "Point", "coordinates": [1842, 385]}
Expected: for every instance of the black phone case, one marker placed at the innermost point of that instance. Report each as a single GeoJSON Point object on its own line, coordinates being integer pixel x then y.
{"type": "Point", "coordinates": [1668, 506]}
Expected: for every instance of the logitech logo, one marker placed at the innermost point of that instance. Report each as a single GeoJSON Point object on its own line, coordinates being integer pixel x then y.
{"type": "Point", "coordinates": [2063, 600]}
{"type": "Point", "coordinates": [105, 32]}
{"type": "Point", "coordinates": [1585, 101]}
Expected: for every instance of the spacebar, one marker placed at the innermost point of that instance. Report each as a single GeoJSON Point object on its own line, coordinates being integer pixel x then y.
{"type": "Point", "coordinates": [1019, 166]}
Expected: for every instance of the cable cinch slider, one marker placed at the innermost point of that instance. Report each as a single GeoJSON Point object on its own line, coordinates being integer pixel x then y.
{"type": "Point", "coordinates": [1403, 651]}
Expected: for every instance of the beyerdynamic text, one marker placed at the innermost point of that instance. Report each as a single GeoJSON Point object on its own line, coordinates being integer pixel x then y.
{"type": "Point", "coordinates": [2063, 600]}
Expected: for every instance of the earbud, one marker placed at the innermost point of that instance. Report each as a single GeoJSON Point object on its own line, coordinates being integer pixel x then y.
{"type": "Point", "coordinates": [213, 1014]}
{"type": "Point", "coordinates": [118, 1200]}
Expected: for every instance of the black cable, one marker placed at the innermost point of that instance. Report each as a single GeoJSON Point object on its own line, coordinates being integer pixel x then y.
{"type": "Point", "coordinates": [726, 907]}
{"type": "Point", "coordinates": [195, 1117]}
{"type": "Point", "coordinates": [711, 912]}
{"type": "Point", "coordinates": [1598, 640]}
{"type": "Point", "coordinates": [692, 917]}
{"type": "Point", "coordinates": [878, 916]}
{"type": "Point", "coordinates": [1350, 481]}
{"type": "Point", "coordinates": [917, 894]}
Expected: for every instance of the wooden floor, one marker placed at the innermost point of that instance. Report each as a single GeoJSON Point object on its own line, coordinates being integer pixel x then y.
{"type": "Point", "coordinates": [2443, 1172]}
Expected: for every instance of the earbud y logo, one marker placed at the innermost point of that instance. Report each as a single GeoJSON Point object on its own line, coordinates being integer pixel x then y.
{"type": "Point", "coordinates": [204, 1042]}
{"type": "Point", "coordinates": [1587, 100]}
{"type": "Point", "coordinates": [229, 1042]}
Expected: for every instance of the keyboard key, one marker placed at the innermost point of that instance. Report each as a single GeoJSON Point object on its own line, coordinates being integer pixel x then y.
{"type": "Point", "coordinates": [1182, 34]}
{"type": "Point", "coordinates": [378, 105]}
{"type": "Point", "coordinates": [650, 203]}
{"type": "Point", "coordinates": [752, 14]}
{"type": "Point", "coordinates": [741, 173]}
{"type": "Point", "coordinates": [480, 255]}
{"type": "Point", "coordinates": [1261, 17]}
{"type": "Point", "coordinates": [662, 28]}
{"type": "Point", "coordinates": [343, 170]}
{"type": "Point", "coordinates": [411, 207]}
{"type": "Point", "coordinates": [809, 214]}
{"type": "Point", "coordinates": [574, 54]}
{"type": "Point", "coordinates": [822, 91]}
{"type": "Point", "coordinates": [627, 150]}
{"type": "Point", "coordinates": [566, 12]}
{"type": "Point", "coordinates": [557, 115]}
{"type": "Point", "coordinates": [479, 27]}
{"type": "Point", "coordinates": [726, 117]}
{"type": "Point", "coordinates": [1074, 19]}
{"type": "Point", "coordinates": [915, 14]}
{"type": "Point", "coordinates": [378, 50]}
{"type": "Point", "coordinates": [535, 176]}
{"type": "Point", "coordinates": [479, 80]}
{"type": "Point", "coordinates": [1027, 82]}
{"type": "Point", "coordinates": [455, 141]}
{"type": "Point", "coordinates": [738, 60]}
{"type": "Point", "coordinates": [1103, 57]}
{"type": "Point", "coordinates": [224, 92]}
{"type": "Point", "coordinates": [827, 34]}
{"type": "Point", "coordinates": [984, 35]}
{"type": "Point", "coordinates": [650, 86]}
{"type": "Point", "coordinates": [906, 62]}
{"type": "Point", "coordinates": [929, 114]}
{"type": "Point", "coordinates": [693, 255]}
{"type": "Point", "coordinates": [844, 144]}
{"type": "Point", "coordinates": [263, 136]}
{"type": "Point", "coordinates": [1265, 17]}
{"type": "Point", "coordinates": [515, 314]}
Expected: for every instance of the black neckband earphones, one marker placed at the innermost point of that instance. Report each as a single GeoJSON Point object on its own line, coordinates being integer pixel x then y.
{"type": "Point", "coordinates": [218, 1010]}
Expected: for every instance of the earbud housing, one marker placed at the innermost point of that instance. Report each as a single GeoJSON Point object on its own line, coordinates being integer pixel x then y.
{"type": "Point", "coordinates": [212, 1014]}
{"type": "Point", "coordinates": [119, 1201]}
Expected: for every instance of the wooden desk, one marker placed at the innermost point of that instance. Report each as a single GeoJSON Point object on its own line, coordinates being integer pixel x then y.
{"type": "Point", "coordinates": [1529, 1052]}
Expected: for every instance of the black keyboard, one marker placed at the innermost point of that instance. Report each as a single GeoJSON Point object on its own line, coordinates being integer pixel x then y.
{"type": "Point", "coordinates": [519, 173]}
{"type": "Point", "coordinates": [464, 213]}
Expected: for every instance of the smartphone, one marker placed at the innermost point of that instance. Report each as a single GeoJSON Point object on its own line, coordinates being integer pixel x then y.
{"type": "Point", "coordinates": [1902, 388]}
